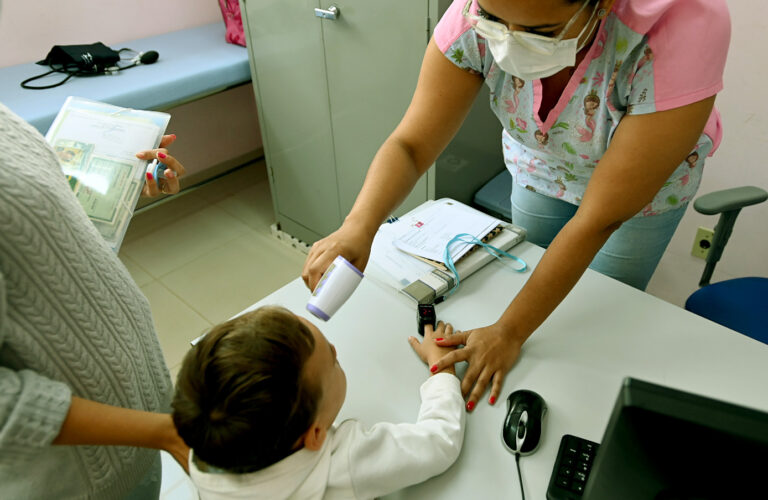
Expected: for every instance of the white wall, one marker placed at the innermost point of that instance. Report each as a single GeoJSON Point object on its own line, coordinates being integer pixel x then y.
{"type": "Point", "coordinates": [741, 160]}
{"type": "Point", "coordinates": [29, 28]}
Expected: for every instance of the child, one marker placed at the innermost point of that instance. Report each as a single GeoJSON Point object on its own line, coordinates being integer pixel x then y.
{"type": "Point", "coordinates": [256, 400]}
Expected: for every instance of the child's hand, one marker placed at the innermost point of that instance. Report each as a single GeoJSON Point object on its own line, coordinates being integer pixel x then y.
{"type": "Point", "coordinates": [428, 350]}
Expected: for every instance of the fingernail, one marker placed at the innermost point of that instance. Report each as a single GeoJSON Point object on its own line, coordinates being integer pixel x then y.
{"type": "Point", "coordinates": [433, 369]}
{"type": "Point", "coordinates": [470, 406]}
{"type": "Point", "coordinates": [139, 155]}
{"type": "Point", "coordinates": [173, 135]}
{"type": "Point", "coordinates": [162, 156]}
{"type": "Point", "coordinates": [439, 340]}
{"type": "Point", "coordinates": [149, 176]}
{"type": "Point", "coordinates": [170, 175]}
{"type": "Point", "coordinates": [492, 400]}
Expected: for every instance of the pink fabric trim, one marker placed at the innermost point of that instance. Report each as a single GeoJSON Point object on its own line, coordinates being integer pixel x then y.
{"type": "Point", "coordinates": [595, 50]}
{"type": "Point", "coordinates": [641, 15]}
{"type": "Point", "coordinates": [452, 25]}
{"type": "Point", "coordinates": [714, 130]}
{"type": "Point", "coordinates": [538, 94]}
{"type": "Point", "coordinates": [683, 100]}
{"type": "Point", "coordinates": [686, 61]}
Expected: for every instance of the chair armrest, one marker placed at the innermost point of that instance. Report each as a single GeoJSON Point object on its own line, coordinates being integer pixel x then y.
{"type": "Point", "coordinates": [729, 199]}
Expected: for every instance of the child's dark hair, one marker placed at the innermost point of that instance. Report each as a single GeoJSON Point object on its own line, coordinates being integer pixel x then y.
{"type": "Point", "coordinates": [241, 400]}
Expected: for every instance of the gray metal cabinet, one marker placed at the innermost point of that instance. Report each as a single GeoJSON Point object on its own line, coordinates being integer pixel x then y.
{"type": "Point", "coordinates": [330, 91]}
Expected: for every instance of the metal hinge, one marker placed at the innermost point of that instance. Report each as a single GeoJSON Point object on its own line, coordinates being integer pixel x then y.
{"type": "Point", "coordinates": [429, 25]}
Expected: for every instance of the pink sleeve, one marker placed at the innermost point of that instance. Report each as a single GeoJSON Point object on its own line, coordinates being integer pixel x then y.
{"type": "Point", "coordinates": [451, 26]}
{"type": "Point", "coordinates": [690, 45]}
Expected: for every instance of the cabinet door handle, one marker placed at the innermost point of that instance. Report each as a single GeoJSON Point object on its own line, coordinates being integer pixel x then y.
{"type": "Point", "coordinates": [331, 13]}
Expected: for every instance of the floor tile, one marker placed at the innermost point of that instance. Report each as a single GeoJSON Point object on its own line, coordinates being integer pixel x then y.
{"type": "Point", "coordinates": [157, 216]}
{"type": "Point", "coordinates": [175, 321]}
{"type": "Point", "coordinates": [176, 485]}
{"type": "Point", "coordinates": [174, 370]}
{"type": "Point", "coordinates": [234, 182]}
{"type": "Point", "coordinates": [184, 240]}
{"type": "Point", "coordinates": [183, 490]}
{"type": "Point", "coordinates": [226, 281]}
{"type": "Point", "coordinates": [252, 205]}
{"type": "Point", "coordinates": [139, 275]}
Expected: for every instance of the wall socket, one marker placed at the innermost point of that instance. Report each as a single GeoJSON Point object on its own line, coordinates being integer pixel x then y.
{"type": "Point", "coordinates": [702, 243]}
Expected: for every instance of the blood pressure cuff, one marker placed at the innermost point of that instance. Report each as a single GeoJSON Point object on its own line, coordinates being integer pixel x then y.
{"type": "Point", "coordinates": [81, 59]}
{"type": "Point", "coordinates": [75, 60]}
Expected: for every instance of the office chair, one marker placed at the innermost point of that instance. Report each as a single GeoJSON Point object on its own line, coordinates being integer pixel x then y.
{"type": "Point", "coordinates": [739, 304]}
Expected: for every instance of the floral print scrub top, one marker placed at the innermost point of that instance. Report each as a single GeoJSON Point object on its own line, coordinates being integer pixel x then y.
{"type": "Point", "coordinates": [647, 56]}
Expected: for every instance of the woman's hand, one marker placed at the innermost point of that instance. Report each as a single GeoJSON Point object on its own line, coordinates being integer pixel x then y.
{"type": "Point", "coordinates": [428, 350]}
{"type": "Point", "coordinates": [490, 351]}
{"type": "Point", "coordinates": [175, 446]}
{"type": "Point", "coordinates": [348, 241]}
{"type": "Point", "coordinates": [174, 169]}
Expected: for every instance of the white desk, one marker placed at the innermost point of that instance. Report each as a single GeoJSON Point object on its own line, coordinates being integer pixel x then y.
{"type": "Point", "coordinates": [577, 359]}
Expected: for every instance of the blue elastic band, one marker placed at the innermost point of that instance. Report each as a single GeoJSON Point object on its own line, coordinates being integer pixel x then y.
{"type": "Point", "coordinates": [468, 238]}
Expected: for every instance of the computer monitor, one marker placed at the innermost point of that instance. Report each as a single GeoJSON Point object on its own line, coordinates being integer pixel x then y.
{"type": "Point", "coordinates": [661, 443]}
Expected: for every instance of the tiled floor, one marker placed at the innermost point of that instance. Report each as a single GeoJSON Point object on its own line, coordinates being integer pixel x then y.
{"type": "Point", "coordinates": [200, 258]}
{"type": "Point", "coordinates": [204, 256]}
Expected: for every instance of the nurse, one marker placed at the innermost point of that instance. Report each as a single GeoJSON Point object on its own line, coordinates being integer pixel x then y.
{"type": "Point", "coordinates": [608, 114]}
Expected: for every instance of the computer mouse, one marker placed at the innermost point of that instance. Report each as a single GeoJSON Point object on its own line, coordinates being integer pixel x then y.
{"type": "Point", "coordinates": [524, 422]}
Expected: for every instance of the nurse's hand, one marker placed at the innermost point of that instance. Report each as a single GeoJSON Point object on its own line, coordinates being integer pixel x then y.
{"type": "Point", "coordinates": [174, 169]}
{"type": "Point", "coordinates": [349, 241]}
{"type": "Point", "coordinates": [490, 351]}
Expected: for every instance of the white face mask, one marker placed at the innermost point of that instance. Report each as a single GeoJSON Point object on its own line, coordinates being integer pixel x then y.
{"type": "Point", "coordinates": [529, 56]}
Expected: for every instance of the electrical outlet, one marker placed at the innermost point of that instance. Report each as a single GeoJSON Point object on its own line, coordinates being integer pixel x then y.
{"type": "Point", "coordinates": [702, 243]}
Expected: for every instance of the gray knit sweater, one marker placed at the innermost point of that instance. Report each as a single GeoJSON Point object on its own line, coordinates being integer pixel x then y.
{"type": "Point", "coordinates": [72, 322]}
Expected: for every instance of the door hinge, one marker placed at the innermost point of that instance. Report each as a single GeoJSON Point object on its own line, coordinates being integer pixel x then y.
{"type": "Point", "coordinates": [429, 29]}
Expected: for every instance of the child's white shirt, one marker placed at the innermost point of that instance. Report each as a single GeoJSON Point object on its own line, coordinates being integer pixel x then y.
{"type": "Point", "coordinates": [358, 462]}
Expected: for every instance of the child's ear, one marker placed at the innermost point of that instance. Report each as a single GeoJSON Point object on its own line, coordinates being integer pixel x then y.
{"type": "Point", "coordinates": [315, 437]}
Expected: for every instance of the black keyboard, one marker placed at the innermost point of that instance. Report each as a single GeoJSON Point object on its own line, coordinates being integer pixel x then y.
{"type": "Point", "coordinates": [572, 466]}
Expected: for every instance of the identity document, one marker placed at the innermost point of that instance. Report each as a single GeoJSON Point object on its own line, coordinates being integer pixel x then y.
{"type": "Point", "coordinates": [96, 144]}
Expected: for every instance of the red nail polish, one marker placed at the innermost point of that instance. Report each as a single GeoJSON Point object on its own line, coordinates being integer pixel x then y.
{"type": "Point", "coordinates": [433, 369]}
{"type": "Point", "coordinates": [470, 406]}
{"type": "Point", "coordinates": [492, 400]}
{"type": "Point", "coordinates": [162, 156]}
{"type": "Point", "coordinates": [149, 176]}
{"type": "Point", "coordinates": [439, 340]}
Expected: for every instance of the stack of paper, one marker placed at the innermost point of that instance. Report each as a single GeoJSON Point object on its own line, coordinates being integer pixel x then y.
{"type": "Point", "coordinates": [418, 272]}
{"type": "Point", "coordinates": [427, 232]}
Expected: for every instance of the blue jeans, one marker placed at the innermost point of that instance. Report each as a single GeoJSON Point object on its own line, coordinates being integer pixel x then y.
{"type": "Point", "coordinates": [631, 253]}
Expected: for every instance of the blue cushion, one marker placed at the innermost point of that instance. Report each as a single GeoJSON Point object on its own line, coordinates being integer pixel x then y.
{"type": "Point", "coordinates": [740, 304]}
{"type": "Point", "coordinates": [193, 63]}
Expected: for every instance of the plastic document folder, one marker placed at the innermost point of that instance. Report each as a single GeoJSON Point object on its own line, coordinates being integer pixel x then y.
{"type": "Point", "coordinates": [407, 253]}
{"type": "Point", "coordinates": [96, 145]}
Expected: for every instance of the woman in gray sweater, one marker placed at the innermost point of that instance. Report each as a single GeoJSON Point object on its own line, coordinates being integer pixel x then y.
{"type": "Point", "coordinates": [80, 363]}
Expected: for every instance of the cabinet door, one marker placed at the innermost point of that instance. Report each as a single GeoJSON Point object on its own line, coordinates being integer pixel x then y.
{"type": "Point", "coordinates": [287, 60]}
{"type": "Point", "coordinates": [373, 55]}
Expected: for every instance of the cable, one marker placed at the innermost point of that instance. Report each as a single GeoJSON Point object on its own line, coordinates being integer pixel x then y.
{"type": "Point", "coordinates": [72, 69]}
{"type": "Point", "coordinates": [519, 475]}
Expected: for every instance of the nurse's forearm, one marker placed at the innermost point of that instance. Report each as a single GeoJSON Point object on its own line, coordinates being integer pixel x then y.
{"type": "Point", "coordinates": [390, 179]}
{"type": "Point", "coordinates": [560, 268]}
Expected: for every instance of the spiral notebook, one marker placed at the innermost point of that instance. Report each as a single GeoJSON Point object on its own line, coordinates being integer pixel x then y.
{"type": "Point", "coordinates": [415, 272]}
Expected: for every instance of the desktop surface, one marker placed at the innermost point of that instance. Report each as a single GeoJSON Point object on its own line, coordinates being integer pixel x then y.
{"type": "Point", "coordinates": [603, 332]}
